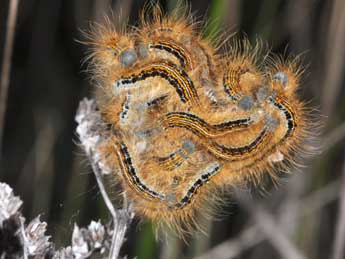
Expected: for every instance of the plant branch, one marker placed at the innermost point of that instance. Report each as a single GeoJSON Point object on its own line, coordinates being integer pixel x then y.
{"type": "Point", "coordinates": [6, 64]}
{"type": "Point", "coordinates": [92, 132]}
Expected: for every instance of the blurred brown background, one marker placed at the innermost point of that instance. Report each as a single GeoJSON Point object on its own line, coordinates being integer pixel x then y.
{"type": "Point", "coordinates": [43, 164]}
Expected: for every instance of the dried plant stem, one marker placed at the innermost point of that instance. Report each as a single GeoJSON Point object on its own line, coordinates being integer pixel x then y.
{"type": "Point", "coordinates": [6, 63]}
{"type": "Point", "coordinates": [334, 60]}
{"type": "Point", "coordinates": [101, 187]}
{"type": "Point", "coordinates": [118, 235]}
{"type": "Point", "coordinates": [91, 133]}
{"type": "Point", "coordinates": [120, 217]}
{"type": "Point", "coordinates": [339, 241]}
{"type": "Point", "coordinates": [269, 228]}
{"type": "Point", "coordinates": [233, 247]}
{"type": "Point", "coordinates": [334, 137]}
{"type": "Point", "coordinates": [251, 236]}
{"type": "Point", "coordinates": [22, 232]}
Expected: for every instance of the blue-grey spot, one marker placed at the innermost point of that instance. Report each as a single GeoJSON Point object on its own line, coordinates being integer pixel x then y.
{"type": "Point", "coordinates": [189, 146]}
{"type": "Point", "coordinates": [281, 77]}
{"type": "Point", "coordinates": [142, 50]}
{"type": "Point", "coordinates": [246, 103]}
{"type": "Point", "coordinates": [128, 57]}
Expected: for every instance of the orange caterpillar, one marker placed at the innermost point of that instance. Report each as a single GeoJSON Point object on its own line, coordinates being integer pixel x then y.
{"type": "Point", "coordinates": [188, 122]}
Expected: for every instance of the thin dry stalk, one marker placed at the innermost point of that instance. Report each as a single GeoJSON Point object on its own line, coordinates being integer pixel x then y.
{"type": "Point", "coordinates": [6, 63]}
{"type": "Point", "coordinates": [234, 247]}
{"type": "Point", "coordinates": [121, 218]}
{"type": "Point", "coordinates": [269, 228]}
{"type": "Point", "coordinates": [339, 241]}
{"type": "Point", "coordinates": [91, 133]}
{"type": "Point", "coordinates": [334, 137]}
{"type": "Point", "coordinates": [335, 53]}
{"type": "Point", "coordinates": [251, 236]}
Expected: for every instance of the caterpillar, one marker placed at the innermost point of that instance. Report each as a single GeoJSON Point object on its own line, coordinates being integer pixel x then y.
{"type": "Point", "coordinates": [188, 122]}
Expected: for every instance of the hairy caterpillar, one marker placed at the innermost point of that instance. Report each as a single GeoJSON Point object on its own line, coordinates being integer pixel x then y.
{"type": "Point", "coordinates": [188, 122]}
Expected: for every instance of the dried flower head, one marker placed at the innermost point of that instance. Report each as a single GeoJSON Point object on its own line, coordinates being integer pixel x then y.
{"type": "Point", "coordinates": [37, 243]}
{"type": "Point", "coordinates": [80, 246]}
{"type": "Point", "coordinates": [9, 204]}
{"type": "Point", "coordinates": [97, 234]}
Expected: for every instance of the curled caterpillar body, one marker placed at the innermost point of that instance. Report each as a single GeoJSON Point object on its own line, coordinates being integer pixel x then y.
{"type": "Point", "coordinates": [186, 122]}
